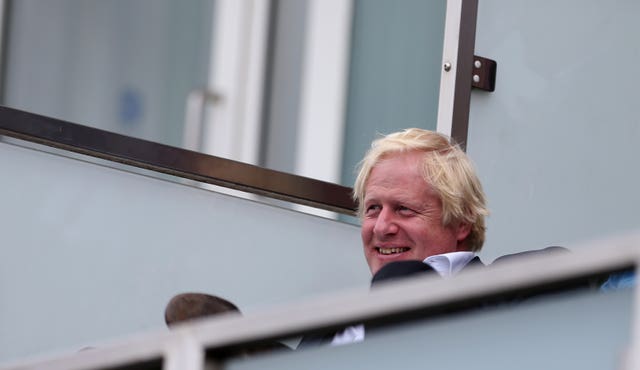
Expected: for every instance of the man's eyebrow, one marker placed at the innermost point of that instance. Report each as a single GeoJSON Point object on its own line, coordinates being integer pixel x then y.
{"type": "Point", "coordinates": [415, 203]}
{"type": "Point", "coordinates": [400, 199]}
{"type": "Point", "coordinates": [369, 200]}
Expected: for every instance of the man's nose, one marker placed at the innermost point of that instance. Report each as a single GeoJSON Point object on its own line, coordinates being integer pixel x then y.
{"type": "Point", "coordinates": [385, 223]}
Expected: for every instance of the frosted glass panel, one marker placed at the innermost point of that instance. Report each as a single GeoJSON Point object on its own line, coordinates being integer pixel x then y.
{"type": "Point", "coordinates": [394, 77]}
{"type": "Point", "coordinates": [556, 145]}
{"type": "Point", "coordinates": [587, 331]}
{"type": "Point", "coordinates": [91, 252]}
{"type": "Point", "coordinates": [121, 66]}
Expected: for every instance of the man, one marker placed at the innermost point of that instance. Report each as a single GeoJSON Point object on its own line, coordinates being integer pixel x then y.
{"type": "Point", "coordinates": [418, 199]}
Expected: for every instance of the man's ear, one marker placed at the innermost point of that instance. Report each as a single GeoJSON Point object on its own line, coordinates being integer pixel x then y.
{"type": "Point", "coordinates": [462, 230]}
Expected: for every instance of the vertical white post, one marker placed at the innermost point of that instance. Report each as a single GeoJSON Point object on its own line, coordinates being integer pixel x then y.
{"type": "Point", "coordinates": [632, 356]}
{"type": "Point", "coordinates": [324, 89]}
{"type": "Point", "coordinates": [324, 92]}
{"type": "Point", "coordinates": [237, 66]}
{"type": "Point", "coordinates": [4, 51]}
{"type": "Point", "coordinates": [183, 353]}
{"type": "Point", "coordinates": [457, 66]}
{"type": "Point", "coordinates": [449, 59]}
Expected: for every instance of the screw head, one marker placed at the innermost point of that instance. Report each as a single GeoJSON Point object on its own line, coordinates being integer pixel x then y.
{"type": "Point", "coordinates": [447, 66]}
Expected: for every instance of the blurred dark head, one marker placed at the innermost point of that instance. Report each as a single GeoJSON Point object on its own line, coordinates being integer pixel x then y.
{"type": "Point", "coordinates": [400, 270]}
{"type": "Point", "coordinates": [189, 306]}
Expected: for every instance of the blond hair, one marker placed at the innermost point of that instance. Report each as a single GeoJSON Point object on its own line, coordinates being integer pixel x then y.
{"type": "Point", "coordinates": [446, 168]}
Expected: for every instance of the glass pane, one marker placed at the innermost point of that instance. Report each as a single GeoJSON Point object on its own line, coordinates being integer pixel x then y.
{"type": "Point", "coordinates": [394, 78]}
{"type": "Point", "coordinates": [122, 66]}
{"type": "Point", "coordinates": [556, 144]}
{"type": "Point", "coordinates": [572, 331]}
{"type": "Point", "coordinates": [92, 253]}
{"type": "Point", "coordinates": [129, 66]}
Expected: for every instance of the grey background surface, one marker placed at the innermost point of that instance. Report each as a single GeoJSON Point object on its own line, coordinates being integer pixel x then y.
{"type": "Point", "coordinates": [92, 253]}
{"type": "Point", "coordinates": [584, 331]}
{"type": "Point", "coordinates": [556, 145]}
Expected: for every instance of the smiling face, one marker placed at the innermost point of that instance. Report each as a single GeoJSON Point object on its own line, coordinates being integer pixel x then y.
{"type": "Point", "coordinates": [403, 216]}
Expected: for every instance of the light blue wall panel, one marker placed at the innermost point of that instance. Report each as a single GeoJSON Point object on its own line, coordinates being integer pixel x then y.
{"type": "Point", "coordinates": [588, 331]}
{"type": "Point", "coordinates": [90, 252]}
{"type": "Point", "coordinates": [394, 73]}
{"type": "Point", "coordinates": [556, 144]}
{"type": "Point", "coordinates": [122, 66]}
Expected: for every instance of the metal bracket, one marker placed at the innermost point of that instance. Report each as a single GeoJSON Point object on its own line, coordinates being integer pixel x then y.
{"type": "Point", "coordinates": [484, 73]}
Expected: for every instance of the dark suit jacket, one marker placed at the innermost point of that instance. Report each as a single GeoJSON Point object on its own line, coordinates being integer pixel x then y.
{"type": "Point", "coordinates": [403, 269]}
{"type": "Point", "coordinates": [391, 271]}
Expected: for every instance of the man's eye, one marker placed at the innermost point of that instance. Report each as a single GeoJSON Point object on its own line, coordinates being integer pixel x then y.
{"type": "Point", "coordinates": [372, 208]}
{"type": "Point", "coordinates": [405, 211]}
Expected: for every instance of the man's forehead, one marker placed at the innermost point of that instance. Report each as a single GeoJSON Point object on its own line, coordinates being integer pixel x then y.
{"type": "Point", "coordinates": [403, 188]}
{"type": "Point", "coordinates": [399, 165]}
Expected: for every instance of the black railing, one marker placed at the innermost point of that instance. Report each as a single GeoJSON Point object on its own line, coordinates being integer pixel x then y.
{"type": "Point", "coordinates": [175, 161]}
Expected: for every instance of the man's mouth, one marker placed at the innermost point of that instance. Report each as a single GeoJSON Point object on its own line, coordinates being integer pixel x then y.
{"type": "Point", "coordinates": [394, 250]}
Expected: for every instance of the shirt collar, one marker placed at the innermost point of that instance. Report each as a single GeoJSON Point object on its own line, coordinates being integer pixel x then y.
{"type": "Point", "coordinates": [449, 264]}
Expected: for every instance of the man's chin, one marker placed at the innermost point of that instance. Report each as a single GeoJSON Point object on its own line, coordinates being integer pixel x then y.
{"type": "Point", "coordinates": [379, 263]}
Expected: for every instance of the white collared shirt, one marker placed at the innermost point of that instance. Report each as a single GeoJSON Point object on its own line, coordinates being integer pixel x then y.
{"type": "Point", "coordinates": [446, 265]}
{"type": "Point", "coordinates": [449, 264]}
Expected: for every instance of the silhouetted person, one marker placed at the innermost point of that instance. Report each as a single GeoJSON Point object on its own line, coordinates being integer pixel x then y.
{"type": "Point", "coordinates": [188, 306]}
